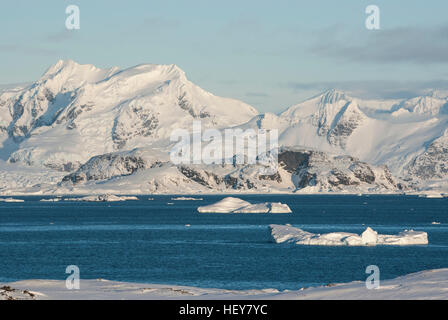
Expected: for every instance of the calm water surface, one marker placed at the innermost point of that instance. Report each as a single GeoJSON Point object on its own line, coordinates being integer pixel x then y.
{"type": "Point", "coordinates": [148, 241]}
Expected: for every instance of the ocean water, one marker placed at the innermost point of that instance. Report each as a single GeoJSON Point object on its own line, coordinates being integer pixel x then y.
{"type": "Point", "coordinates": [148, 241]}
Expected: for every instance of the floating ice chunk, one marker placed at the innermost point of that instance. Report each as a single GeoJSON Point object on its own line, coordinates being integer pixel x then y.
{"type": "Point", "coordinates": [11, 200]}
{"type": "Point", "coordinates": [103, 198]}
{"type": "Point", "coordinates": [254, 208]}
{"type": "Point", "coordinates": [407, 237]}
{"type": "Point", "coordinates": [226, 205]}
{"type": "Point", "coordinates": [369, 236]}
{"type": "Point", "coordinates": [235, 205]}
{"type": "Point", "coordinates": [186, 198]}
{"type": "Point", "coordinates": [431, 195]}
{"type": "Point", "coordinates": [435, 222]}
{"type": "Point", "coordinates": [50, 200]}
{"type": "Point", "coordinates": [278, 207]}
{"type": "Point", "coordinates": [288, 234]}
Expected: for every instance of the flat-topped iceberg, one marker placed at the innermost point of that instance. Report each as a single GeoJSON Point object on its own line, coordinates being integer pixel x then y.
{"type": "Point", "coordinates": [186, 199]}
{"type": "Point", "coordinates": [11, 200]}
{"type": "Point", "coordinates": [289, 234]}
{"type": "Point", "coordinates": [103, 198]}
{"type": "Point", "coordinates": [50, 200]}
{"type": "Point", "coordinates": [236, 205]}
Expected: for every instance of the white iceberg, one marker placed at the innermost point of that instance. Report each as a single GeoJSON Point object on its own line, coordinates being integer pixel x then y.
{"type": "Point", "coordinates": [278, 207]}
{"type": "Point", "coordinates": [103, 198]}
{"type": "Point", "coordinates": [11, 200]}
{"type": "Point", "coordinates": [50, 200]}
{"type": "Point", "coordinates": [254, 208]}
{"type": "Point", "coordinates": [236, 205]}
{"type": "Point", "coordinates": [288, 234]}
{"type": "Point", "coordinates": [226, 205]}
{"type": "Point", "coordinates": [186, 199]}
{"type": "Point", "coordinates": [431, 194]}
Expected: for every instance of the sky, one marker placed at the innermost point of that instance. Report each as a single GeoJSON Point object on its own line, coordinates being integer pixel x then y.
{"type": "Point", "coordinates": [270, 54]}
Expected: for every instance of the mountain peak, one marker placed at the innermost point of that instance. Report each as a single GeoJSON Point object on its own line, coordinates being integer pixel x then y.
{"type": "Point", "coordinates": [71, 74]}
{"type": "Point", "coordinates": [332, 96]}
{"type": "Point", "coordinates": [167, 71]}
{"type": "Point", "coordinates": [68, 64]}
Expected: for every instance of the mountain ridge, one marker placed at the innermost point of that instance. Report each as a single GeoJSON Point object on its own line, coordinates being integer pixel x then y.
{"type": "Point", "coordinates": [78, 115]}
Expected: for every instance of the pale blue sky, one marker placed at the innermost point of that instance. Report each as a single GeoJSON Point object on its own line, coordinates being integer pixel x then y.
{"type": "Point", "coordinates": [270, 54]}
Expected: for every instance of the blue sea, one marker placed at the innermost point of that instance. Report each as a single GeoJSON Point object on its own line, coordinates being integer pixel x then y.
{"type": "Point", "coordinates": [148, 241]}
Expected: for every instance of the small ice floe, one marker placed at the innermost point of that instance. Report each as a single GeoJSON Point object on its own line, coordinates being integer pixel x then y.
{"type": "Point", "coordinates": [236, 205]}
{"type": "Point", "coordinates": [150, 199]}
{"type": "Point", "coordinates": [186, 199]}
{"type": "Point", "coordinates": [435, 222]}
{"type": "Point", "coordinates": [287, 234]}
{"type": "Point", "coordinates": [435, 195]}
{"type": "Point", "coordinates": [188, 225]}
{"type": "Point", "coordinates": [169, 203]}
{"type": "Point", "coordinates": [50, 200]}
{"type": "Point", "coordinates": [103, 198]}
{"type": "Point", "coordinates": [11, 200]}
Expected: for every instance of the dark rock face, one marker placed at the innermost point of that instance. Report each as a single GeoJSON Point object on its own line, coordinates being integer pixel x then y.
{"type": "Point", "coordinates": [339, 178]}
{"type": "Point", "coordinates": [212, 180]}
{"type": "Point", "coordinates": [309, 168]}
{"type": "Point", "coordinates": [196, 176]}
{"type": "Point", "coordinates": [273, 177]}
{"type": "Point", "coordinates": [291, 161]}
{"type": "Point", "coordinates": [348, 122]}
{"type": "Point", "coordinates": [73, 113]}
{"type": "Point", "coordinates": [363, 172]}
{"type": "Point", "coordinates": [433, 163]}
{"type": "Point", "coordinates": [136, 122]}
{"type": "Point", "coordinates": [306, 179]}
{"type": "Point", "coordinates": [35, 110]}
{"type": "Point", "coordinates": [106, 166]}
{"type": "Point", "coordinates": [184, 104]}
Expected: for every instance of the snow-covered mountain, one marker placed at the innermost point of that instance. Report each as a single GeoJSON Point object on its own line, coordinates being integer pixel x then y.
{"type": "Point", "coordinates": [397, 133]}
{"type": "Point", "coordinates": [83, 129]}
{"type": "Point", "coordinates": [78, 111]}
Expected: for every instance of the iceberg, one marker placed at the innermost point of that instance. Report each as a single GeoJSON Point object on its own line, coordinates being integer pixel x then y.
{"type": "Point", "coordinates": [103, 198]}
{"type": "Point", "coordinates": [289, 234]}
{"type": "Point", "coordinates": [226, 205]}
{"type": "Point", "coordinates": [278, 207]}
{"type": "Point", "coordinates": [236, 205]}
{"type": "Point", "coordinates": [50, 200]}
{"type": "Point", "coordinates": [11, 200]}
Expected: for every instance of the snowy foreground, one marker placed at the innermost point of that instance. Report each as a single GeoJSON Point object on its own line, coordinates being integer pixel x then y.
{"type": "Point", "coordinates": [236, 205]}
{"type": "Point", "coordinates": [289, 234]}
{"type": "Point", "coordinates": [430, 284]}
